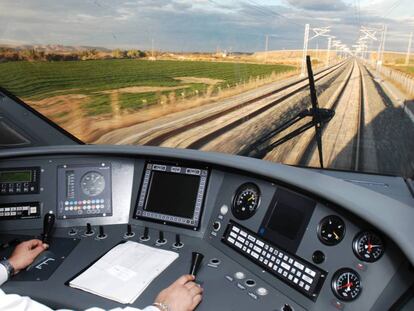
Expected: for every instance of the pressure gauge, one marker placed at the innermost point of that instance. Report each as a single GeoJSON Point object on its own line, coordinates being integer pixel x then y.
{"type": "Point", "coordinates": [368, 246]}
{"type": "Point", "coordinates": [346, 284]}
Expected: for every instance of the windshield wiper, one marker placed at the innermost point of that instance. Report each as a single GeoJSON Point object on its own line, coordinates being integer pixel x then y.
{"type": "Point", "coordinates": [320, 116]}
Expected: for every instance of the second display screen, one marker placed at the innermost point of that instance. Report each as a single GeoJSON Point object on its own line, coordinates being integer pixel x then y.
{"type": "Point", "coordinates": [172, 194]}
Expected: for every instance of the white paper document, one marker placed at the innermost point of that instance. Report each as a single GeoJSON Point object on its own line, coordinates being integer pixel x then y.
{"type": "Point", "coordinates": [124, 272]}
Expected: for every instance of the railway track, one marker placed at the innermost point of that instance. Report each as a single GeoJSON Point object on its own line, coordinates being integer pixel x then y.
{"type": "Point", "coordinates": [263, 147]}
{"type": "Point", "coordinates": [343, 136]}
{"type": "Point", "coordinates": [195, 135]}
{"type": "Point", "coordinates": [161, 136]}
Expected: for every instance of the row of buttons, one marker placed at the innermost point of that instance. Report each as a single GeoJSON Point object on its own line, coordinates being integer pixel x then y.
{"type": "Point", "coordinates": [278, 262]}
{"type": "Point", "coordinates": [84, 202]}
{"type": "Point", "coordinates": [18, 211]}
{"type": "Point", "coordinates": [85, 207]}
{"type": "Point", "coordinates": [167, 217]}
{"type": "Point", "coordinates": [16, 188]}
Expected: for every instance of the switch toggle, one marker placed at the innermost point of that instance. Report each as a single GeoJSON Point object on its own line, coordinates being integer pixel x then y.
{"type": "Point", "coordinates": [129, 233]}
{"type": "Point", "coordinates": [178, 243]}
{"type": "Point", "coordinates": [101, 234]}
{"type": "Point", "coordinates": [161, 239]}
{"type": "Point", "coordinates": [89, 230]}
{"type": "Point", "coordinates": [145, 236]}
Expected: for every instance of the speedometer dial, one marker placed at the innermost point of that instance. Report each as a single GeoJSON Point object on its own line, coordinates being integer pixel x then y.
{"type": "Point", "coordinates": [368, 246]}
{"type": "Point", "coordinates": [346, 284]}
{"type": "Point", "coordinates": [246, 201]}
{"type": "Point", "coordinates": [92, 183]}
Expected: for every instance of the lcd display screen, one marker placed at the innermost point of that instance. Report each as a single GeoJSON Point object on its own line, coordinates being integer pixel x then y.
{"type": "Point", "coordinates": [286, 219]}
{"type": "Point", "coordinates": [172, 194]}
{"type": "Point", "coordinates": [15, 176]}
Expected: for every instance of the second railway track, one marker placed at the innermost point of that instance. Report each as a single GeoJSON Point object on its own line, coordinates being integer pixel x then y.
{"type": "Point", "coordinates": [161, 136]}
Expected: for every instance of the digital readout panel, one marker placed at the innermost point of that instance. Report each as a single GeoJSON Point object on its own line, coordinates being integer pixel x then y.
{"type": "Point", "coordinates": [22, 180]}
{"type": "Point", "coordinates": [172, 194]}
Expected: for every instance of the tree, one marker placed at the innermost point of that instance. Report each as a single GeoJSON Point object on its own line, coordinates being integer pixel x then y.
{"type": "Point", "coordinates": [133, 54]}
{"type": "Point", "coordinates": [118, 53]}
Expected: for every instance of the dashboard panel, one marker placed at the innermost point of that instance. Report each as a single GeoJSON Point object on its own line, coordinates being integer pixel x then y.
{"type": "Point", "coordinates": [269, 244]}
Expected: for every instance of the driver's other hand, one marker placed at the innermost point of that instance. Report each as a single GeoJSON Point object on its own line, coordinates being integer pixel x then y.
{"type": "Point", "coordinates": [182, 295]}
{"type": "Point", "coordinates": [25, 253]}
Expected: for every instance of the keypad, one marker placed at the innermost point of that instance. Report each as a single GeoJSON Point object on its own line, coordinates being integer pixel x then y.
{"type": "Point", "coordinates": [291, 269]}
{"type": "Point", "coordinates": [20, 210]}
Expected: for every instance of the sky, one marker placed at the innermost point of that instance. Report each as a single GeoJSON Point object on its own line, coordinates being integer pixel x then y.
{"type": "Point", "coordinates": [200, 25]}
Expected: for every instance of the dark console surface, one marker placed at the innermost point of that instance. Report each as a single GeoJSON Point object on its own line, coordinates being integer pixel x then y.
{"type": "Point", "coordinates": [270, 241]}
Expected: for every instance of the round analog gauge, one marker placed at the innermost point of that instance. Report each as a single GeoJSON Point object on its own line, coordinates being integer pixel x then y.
{"type": "Point", "coordinates": [92, 184]}
{"type": "Point", "coordinates": [331, 230]}
{"type": "Point", "coordinates": [246, 201]}
{"type": "Point", "coordinates": [346, 284]}
{"type": "Point", "coordinates": [368, 246]}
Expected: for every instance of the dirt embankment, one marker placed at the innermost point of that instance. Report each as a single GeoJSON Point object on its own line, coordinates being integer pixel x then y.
{"type": "Point", "coordinates": [69, 112]}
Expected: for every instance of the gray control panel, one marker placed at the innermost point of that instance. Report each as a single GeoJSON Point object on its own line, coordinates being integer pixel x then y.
{"type": "Point", "coordinates": [256, 256]}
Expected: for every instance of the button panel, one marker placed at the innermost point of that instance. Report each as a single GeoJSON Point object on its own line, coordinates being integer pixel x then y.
{"type": "Point", "coordinates": [20, 210]}
{"type": "Point", "coordinates": [15, 181]}
{"type": "Point", "coordinates": [296, 272]}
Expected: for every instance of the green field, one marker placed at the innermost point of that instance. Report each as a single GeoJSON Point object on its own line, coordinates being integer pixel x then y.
{"type": "Point", "coordinates": [406, 69]}
{"type": "Point", "coordinates": [39, 80]}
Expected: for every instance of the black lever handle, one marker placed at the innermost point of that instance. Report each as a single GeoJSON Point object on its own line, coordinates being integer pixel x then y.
{"type": "Point", "coordinates": [145, 236]}
{"type": "Point", "coordinates": [48, 224]}
{"type": "Point", "coordinates": [196, 260]}
{"type": "Point", "coordinates": [178, 243]}
{"type": "Point", "coordinates": [129, 232]}
{"type": "Point", "coordinates": [89, 230]}
{"type": "Point", "coordinates": [101, 234]}
{"type": "Point", "coordinates": [161, 238]}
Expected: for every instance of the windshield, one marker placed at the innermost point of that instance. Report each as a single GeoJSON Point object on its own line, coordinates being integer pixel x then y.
{"type": "Point", "coordinates": [227, 76]}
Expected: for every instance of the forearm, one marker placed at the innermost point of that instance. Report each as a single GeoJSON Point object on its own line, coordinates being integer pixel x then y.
{"type": "Point", "coordinates": [3, 274]}
{"type": "Point", "coordinates": [25, 303]}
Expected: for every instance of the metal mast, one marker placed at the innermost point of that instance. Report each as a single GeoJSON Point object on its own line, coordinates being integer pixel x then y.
{"type": "Point", "coordinates": [318, 32]}
{"type": "Point", "coordinates": [407, 58]}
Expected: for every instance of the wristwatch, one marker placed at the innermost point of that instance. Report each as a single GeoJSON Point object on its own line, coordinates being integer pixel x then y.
{"type": "Point", "coordinates": [161, 306]}
{"type": "Point", "coordinates": [8, 266]}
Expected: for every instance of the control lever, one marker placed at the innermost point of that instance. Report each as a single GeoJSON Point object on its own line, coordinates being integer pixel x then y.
{"type": "Point", "coordinates": [178, 243]}
{"type": "Point", "coordinates": [161, 239]}
{"type": "Point", "coordinates": [89, 230]}
{"type": "Point", "coordinates": [48, 224]}
{"type": "Point", "coordinates": [145, 236]}
{"type": "Point", "coordinates": [196, 260]}
{"type": "Point", "coordinates": [101, 234]}
{"type": "Point", "coordinates": [129, 233]}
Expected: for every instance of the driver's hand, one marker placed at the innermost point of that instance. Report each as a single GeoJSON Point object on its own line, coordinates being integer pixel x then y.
{"type": "Point", "coordinates": [182, 295]}
{"type": "Point", "coordinates": [25, 253]}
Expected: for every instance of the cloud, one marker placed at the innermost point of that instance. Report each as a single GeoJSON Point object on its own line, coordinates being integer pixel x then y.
{"type": "Point", "coordinates": [319, 5]}
{"type": "Point", "coordinates": [190, 25]}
